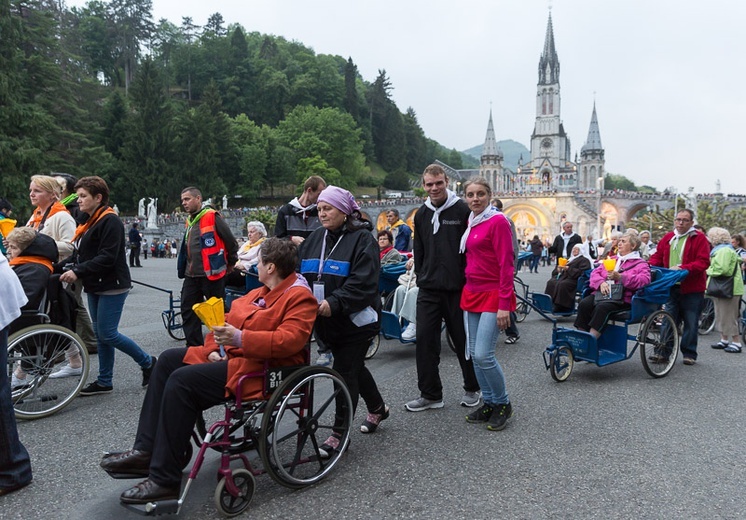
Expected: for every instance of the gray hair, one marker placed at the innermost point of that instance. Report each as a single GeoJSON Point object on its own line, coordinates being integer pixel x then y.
{"type": "Point", "coordinates": [634, 238]}
{"type": "Point", "coordinates": [258, 226]}
{"type": "Point", "coordinates": [718, 235]}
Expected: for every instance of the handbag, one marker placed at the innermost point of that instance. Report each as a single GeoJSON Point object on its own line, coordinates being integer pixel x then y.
{"type": "Point", "coordinates": [721, 286]}
{"type": "Point", "coordinates": [615, 294]}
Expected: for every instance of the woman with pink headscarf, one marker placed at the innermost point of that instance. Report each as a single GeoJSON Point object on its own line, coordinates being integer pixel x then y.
{"type": "Point", "coordinates": [340, 260]}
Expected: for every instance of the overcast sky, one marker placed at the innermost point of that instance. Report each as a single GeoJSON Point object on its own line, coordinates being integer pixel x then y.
{"type": "Point", "coordinates": [666, 75]}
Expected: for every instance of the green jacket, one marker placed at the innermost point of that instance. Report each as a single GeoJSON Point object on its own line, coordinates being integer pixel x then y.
{"type": "Point", "coordinates": [723, 262]}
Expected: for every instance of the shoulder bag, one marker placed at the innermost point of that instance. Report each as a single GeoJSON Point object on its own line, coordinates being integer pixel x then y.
{"type": "Point", "coordinates": [722, 286]}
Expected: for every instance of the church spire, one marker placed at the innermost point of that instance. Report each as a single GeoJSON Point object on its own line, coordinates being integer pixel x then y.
{"type": "Point", "coordinates": [490, 148]}
{"type": "Point", "coordinates": [549, 66]}
{"type": "Point", "coordinates": [593, 142]}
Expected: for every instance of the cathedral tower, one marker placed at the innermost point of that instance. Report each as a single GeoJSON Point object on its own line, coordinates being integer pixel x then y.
{"type": "Point", "coordinates": [491, 160]}
{"type": "Point", "coordinates": [592, 161]}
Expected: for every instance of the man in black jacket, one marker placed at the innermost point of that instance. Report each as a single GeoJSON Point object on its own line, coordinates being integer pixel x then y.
{"type": "Point", "coordinates": [564, 242]}
{"type": "Point", "coordinates": [439, 225]}
{"type": "Point", "coordinates": [135, 240]}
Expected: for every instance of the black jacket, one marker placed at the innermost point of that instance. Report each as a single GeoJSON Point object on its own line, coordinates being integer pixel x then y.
{"type": "Point", "coordinates": [99, 260]}
{"type": "Point", "coordinates": [558, 246]}
{"type": "Point", "coordinates": [291, 222]}
{"type": "Point", "coordinates": [356, 258]}
{"type": "Point", "coordinates": [34, 277]}
{"type": "Point", "coordinates": [437, 262]}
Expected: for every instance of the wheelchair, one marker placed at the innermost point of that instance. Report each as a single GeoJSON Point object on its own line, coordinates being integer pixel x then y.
{"type": "Point", "coordinates": [38, 348]}
{"type": "Point", "coordinates": [657, 334]}
{"type": "Point", "coordinates": [286, 428]}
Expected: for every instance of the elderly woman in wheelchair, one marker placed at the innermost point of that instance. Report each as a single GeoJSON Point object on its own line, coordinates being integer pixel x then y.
{"type": "Point", "coordinates": [630, 272]}
{"type": "Point", "coordinates": [272, 323]}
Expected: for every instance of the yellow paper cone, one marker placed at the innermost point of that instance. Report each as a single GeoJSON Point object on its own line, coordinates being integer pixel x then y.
{"type": "Point", "coordinates": [562, 261]}
{"type": "Point", "coordinates": [609, 264]}
{"type": "Point", "coordinates": [211, 312]}
{"type": "Point", "coordinates": [7, 225]}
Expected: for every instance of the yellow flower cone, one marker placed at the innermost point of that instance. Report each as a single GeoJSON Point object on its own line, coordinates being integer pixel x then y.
{"type": "Point", "coordinates": [7, 225]}
{"type": "Point", "coordinates": [211, 312]}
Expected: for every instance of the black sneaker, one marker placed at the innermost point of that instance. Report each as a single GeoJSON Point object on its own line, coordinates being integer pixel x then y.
{"type": "Point", "coordinates": [499, 417]}
{"type": "Point", "coordinates": [96, 388]}
{"type": "Point", "coordinates": [147, 372]}
{"type": "Point", "coordinates": [481, 415]}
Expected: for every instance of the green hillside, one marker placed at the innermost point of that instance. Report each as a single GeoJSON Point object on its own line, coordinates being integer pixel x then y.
{"type": "Point", "coordinates": [512, 151]}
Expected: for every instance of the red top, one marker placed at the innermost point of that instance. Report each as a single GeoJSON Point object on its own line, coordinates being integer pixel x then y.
{"type": "Point", "coordinates": [695, 258]}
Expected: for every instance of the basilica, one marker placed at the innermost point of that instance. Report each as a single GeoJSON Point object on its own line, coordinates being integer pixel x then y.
{"type": "Point", "coordinates": [551, 167]}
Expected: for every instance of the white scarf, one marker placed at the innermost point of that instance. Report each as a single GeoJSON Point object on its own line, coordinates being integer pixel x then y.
{"type": "Point", "coordinates": [676, 236]}
{"type": "Point", "coordinates": [300, 210]}
{"type": "Point", "coordinates": [475, 220]}
{"type": "Point", "coordinates": [450, 201]}
{"type": "Point", "coordinates": [621, 258]}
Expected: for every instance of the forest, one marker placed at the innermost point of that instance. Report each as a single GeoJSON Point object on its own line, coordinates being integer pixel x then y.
{"type": "Point", "coordinates": [153, 107]}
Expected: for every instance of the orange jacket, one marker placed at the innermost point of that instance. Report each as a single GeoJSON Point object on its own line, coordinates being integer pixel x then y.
{"type": "Point", "coordinates": [276, 329]}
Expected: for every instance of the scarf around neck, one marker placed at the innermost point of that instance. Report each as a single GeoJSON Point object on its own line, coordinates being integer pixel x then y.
{"type": "Point", "coordinates": [622, 258]}
{"type": "Point", "coordinates": [450, 201]}
{"type": "Point", "coordinates": [300, 210]}
{"type": "Point", "coordinates": [475, 221]}
{"type": "Point", "coordinates": [41, 260]}
{"type": "Point", "coordinates": [100, 213]}
{"type": "Point", "coordinates": [676, 236]}
{"type": "Point", "coordinates": [39, 217]}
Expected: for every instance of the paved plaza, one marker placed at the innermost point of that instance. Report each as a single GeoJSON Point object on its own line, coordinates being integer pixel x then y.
{"type": "Point", "coordinates": [609, 443]}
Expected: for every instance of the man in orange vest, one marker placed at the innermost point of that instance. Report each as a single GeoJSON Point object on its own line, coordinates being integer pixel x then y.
{"type": "Point", "coordinates": [207, 253]}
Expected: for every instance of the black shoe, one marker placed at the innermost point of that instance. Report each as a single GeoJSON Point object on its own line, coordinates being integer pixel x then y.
{"type": "Point", "coordinates": [134, 463]}
{"type": "Point", "coordinates": [147, 372]}
{"type": "Point", "coordinates": [499, 417]}
{"type": "Point", "coordinates": [481, 415]}
{"type": "Point", "coordinates": [96, 388]}
{"type": "Point", "coordinates": [148, 491]}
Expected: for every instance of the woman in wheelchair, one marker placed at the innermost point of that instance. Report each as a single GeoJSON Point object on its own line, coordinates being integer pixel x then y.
{"type": "Point", "coordinates": [272, 322]}
{"type": "Point", "coordinates": [248, 255]}
{"type": "Point", "coordinates": [564, 281]}
{"type": "Point", "coordinates": [631, 271]}
{"type": "Point", "coordinates": [31, 256]}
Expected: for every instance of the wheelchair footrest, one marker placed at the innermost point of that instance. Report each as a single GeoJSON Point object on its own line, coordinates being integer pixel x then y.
{"type": "Point", "coordinates": [126, 476]}
{"type": "Point", "coordinates": [161, 507]}
{"type": "Point", "coordinates": [607, 357]}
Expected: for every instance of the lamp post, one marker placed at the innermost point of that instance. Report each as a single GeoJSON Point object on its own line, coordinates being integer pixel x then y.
{"type": "Point", "coordinates": [650, 225]}
{"type": "Point", "coordinates": [599, 182]}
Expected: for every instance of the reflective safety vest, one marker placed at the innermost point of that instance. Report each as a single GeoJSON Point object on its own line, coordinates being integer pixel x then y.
{"type": "Point", "coordinates": [214, 259]}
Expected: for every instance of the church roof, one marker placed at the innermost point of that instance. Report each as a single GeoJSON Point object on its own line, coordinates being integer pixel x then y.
{"type": "Point", "coordinates": [593, 142]}
{"type": "Point", "coordinates": [549, 66]}
{"type": "Point", "coordinates": [490, 147]}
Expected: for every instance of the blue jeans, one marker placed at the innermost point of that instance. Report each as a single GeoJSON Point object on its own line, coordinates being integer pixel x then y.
{"type": "Point", "coordinates": [482, 334]}
{"type": "Point", "coordinates": [534, 263]}
{"type": "Point", "coordinates": [106, 311]}
{"type": "Point", "coordinates": [686, 308]}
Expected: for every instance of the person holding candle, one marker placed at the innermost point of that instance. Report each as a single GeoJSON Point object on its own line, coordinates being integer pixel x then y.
{"type": "Point", "coordinates": [629, 270]}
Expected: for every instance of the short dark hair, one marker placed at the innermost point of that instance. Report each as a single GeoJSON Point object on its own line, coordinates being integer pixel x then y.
{"type": "Point", "coordinates": [498, 204]}
{"type": "Point", "coordinates": [687, 210]}
{"type": "Point", "coordinates": [282, 253]}
{"type": "Point", "coordinates": [95, 185]}
{"type": "Point", "coordinates": [434, 170]}
{"type": "Point", "coordinates": [394, 211]}
{"type": "Point", "coordinates": [314, 182]}
{"type": "Point", "coordinates": [387, 234]}
{"type": "Point", "coordinates": [5, 205]}
{"type": "Point", "coordinates": [194, 192]}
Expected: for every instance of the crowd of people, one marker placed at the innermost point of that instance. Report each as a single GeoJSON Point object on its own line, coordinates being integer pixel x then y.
{"type": "Point", "coordinates": [319, 275]}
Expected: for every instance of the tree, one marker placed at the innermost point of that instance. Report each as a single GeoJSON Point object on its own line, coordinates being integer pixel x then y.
{"type": "Point", "coordinates": [133, 24]}
{"type": "Point", "coordinates": [351, 102]}
{"type": "Point", "coordinates": [415, 142]}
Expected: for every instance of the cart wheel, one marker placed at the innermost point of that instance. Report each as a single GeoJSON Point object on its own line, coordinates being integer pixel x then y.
{"type": "Point", "coordinates": [373, 347]}
{"type": "Point", "coordinates": [243, 431]}
{"type": "Point", "coordinates": [388, 301]}
{"type": "Point", "coordinates": [707, 317]}
{"type": "Point", "coordinates": [449, 340]}
{"type": "Point", "coordinates": [176, 327]}
{"type": "Point", "coordinates": [231, 505]}
{"type": "Point", "coordinates": [298, 419]}
{"type": "Point", "coordinates": [659, 343]}
{"type": "Point", "coordinates": [561, 363]}
{"type": "Point", "coordinates": [521, 311]}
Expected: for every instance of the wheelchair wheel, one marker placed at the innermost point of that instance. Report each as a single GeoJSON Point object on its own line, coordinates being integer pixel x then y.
{"type": "Point", "coordinates": [707, 317]}
{"type": "Point", "coordinates": [232, 505]}
{"type": "Point", "coordinates": [522, 310]}
{"type": "Point", "coordinates": [373, 347]}
{"type": "Point", "coordinates": [242, 434]}
{"type": "Point", "coordinates": [449, 340]}
{"type": "Point", "coordinates": [388, 301]}
{"type": "Point", "coordinates": [561, 363]}
{"type": "Point", "coordinates": [659, 343]}
{"type": "Point", "coordinates": [38, 351]}
{"type": "Point", "coordinates": [176, 326]}
{"type": "Point", "coordinates": [298, 419]}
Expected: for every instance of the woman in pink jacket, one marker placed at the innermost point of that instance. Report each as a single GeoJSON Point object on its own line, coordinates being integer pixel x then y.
{"type": "Point", "coordinates": [630, 270]}
{"type": "Point", "coordinates": [487, 299]}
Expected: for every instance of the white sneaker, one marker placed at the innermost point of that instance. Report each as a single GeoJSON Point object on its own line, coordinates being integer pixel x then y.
{"type": "Point", "coordinates": [410, 332]}
{"type": "Point", "coordinates": [66, 371]}
{"type": "Point", "coordinates": [17, 383]}
{"type": "Point", "coordinates": [325, 359]}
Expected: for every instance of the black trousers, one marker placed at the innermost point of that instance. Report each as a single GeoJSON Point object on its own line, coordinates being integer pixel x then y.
{"type": "Point", "coordinates": [349, 362]}
{"type": "Point", "coordinates": [135, 256]}
{"type": "Point", "coordinates": [593, 315]}
{"type": "Point", "coordinates": [197, 290]}
{"type": "Point", "coordinates": [432, 308]}
{"type": "Point", "coordinates": [165, 429]}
